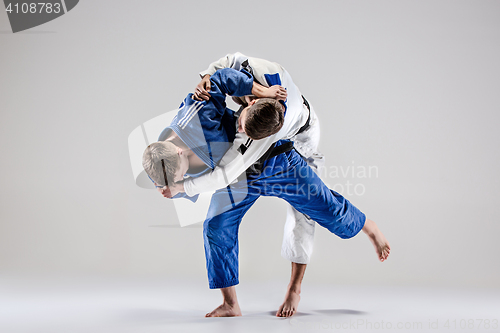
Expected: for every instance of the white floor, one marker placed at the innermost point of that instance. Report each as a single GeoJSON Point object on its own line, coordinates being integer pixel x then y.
{"type": "Point", "coordinates": [140, 305]}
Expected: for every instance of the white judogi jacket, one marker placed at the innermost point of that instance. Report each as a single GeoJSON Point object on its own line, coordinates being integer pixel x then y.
{"type": "Point", "coordinates": [234, 163]}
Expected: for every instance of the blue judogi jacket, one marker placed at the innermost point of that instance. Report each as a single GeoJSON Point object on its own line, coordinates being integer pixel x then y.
{"type": "Point", "coordinates": [208, 127]}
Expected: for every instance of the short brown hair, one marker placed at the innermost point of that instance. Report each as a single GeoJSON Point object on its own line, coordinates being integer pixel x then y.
{"type": "Point", "coordinates": [160, 159]}
{"type": "Point", "coordinates": [264, 118]}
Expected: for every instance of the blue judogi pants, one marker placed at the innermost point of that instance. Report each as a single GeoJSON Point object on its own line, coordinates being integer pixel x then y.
{"type": "Point", "coordinates": [285, 176]}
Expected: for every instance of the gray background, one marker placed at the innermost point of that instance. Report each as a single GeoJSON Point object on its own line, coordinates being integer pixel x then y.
{"type": "Point", "coordinates": [410, 87]}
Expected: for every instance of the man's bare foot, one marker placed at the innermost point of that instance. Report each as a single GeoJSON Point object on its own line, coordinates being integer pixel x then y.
{"type": "Point", "coordinates": [290, 305]}
{"type": "Point", "coordinates": [382, 247]}
{"type": "Point", "coordinates": [225, 310]}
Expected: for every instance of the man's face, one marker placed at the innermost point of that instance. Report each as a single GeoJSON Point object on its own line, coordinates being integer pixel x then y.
{"type": "Point", "coordinates": [183, 165]}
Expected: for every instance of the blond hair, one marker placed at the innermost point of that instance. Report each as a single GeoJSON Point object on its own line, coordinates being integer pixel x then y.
{"type": "Point", "coordinates": [161, 161]}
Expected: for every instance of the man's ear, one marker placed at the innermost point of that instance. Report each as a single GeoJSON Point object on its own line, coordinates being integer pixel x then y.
{"type": "Point", "coordinates": [252, 102]}
{"type": "Point", "coordinates": [180, 151]}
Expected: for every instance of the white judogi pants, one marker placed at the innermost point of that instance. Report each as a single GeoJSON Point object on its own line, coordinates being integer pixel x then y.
{"type": "Point", "coordinates": [298, 236]}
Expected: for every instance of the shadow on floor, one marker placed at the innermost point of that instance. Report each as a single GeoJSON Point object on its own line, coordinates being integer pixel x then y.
{"type": "Point", "coordinates": [273, 314]}
{"type": "Point", "coordinates": [337, 312]}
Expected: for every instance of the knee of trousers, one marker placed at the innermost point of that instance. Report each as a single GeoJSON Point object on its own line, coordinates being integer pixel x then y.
{"type": "Point", "coordinates": [220, 239]}
{"type": "Point", "coordinates": [218, 233]}
{"type": "Point", "coordinates": [349, 225]}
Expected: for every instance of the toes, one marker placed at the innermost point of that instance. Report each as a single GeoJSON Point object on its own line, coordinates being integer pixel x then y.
{"type": "Point", "coordinates": [212, 314]}
{"type": "Point", "coordinates": [279, 312]}
{"type": "Point", "coordinates": [384, 254]}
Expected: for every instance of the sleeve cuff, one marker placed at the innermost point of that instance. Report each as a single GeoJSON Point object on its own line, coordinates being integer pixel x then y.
{"type": "Point", "coordinates": [188, 183]}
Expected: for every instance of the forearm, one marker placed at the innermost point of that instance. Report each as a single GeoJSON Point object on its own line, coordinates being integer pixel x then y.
{"type": "Point", "coordinates": [232, 82]}
{"type": "Point", "coordinates": [214, 181]}
{"type": "Point", "coordinates": [259, 90]}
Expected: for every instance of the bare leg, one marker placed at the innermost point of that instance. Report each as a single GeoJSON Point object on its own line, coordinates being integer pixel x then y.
{"type": "Point", "coordinates": [292, 296]}
{"type": "Point", "coordinates": [229, 306]}
{"type": "Point", "coordinates": [378, 240]}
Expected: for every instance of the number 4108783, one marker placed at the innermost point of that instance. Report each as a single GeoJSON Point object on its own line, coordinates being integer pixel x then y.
{"type": "Point", "coordinates": [471, 324]}
{"type": "Point", "coordinates": [34, 8]}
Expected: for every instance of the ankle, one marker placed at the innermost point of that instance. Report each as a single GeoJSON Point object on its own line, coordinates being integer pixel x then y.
{"type": "Point", "coordinates": [231, 302]}
{"type": "Point", "coordinates": [368, 228]}
{"type": "Point", "coordinates": [294, 288]}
